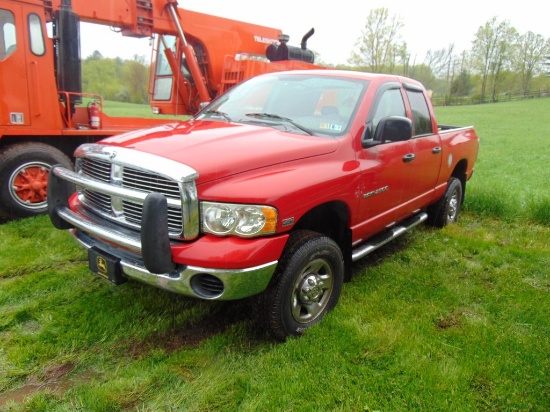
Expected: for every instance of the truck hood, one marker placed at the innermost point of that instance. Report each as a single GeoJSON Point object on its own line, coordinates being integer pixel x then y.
{"type": "Point", "coordinates": [216, 149]}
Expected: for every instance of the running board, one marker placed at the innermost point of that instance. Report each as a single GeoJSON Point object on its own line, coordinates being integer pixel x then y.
{"type": "Point", "coordinates": [380, 240]}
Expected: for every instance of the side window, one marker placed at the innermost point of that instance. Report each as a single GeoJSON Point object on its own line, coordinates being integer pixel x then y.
{"type": "Point", "coordinates": [8, 41]}
{"type": "Point", "coordinates": [390, 104]}
{"type": "Point", "coordinates": [163, 72]}
{"type": "Point", "coordinates": [422, 121]}
{"type": "Point", "coordinates": [36, 36]}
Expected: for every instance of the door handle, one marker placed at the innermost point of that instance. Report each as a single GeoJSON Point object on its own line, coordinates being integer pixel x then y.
{"type": "Point", "coordinates": [408, 157]}
{"type": "Point", "coordinates": [436, 150]}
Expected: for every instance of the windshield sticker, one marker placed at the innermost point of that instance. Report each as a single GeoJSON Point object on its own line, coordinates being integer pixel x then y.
{"type": "Point", "coordinates": [331, 126]}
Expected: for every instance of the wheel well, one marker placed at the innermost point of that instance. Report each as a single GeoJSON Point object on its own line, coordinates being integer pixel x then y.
{"type": "Point", "coordinates": [332, 220]}
{"type": "Point", "coordinates": [460, 173]}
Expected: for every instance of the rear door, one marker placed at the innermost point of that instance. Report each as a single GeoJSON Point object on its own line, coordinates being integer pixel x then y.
{"type": "Point", "coordinates": [426, 149]}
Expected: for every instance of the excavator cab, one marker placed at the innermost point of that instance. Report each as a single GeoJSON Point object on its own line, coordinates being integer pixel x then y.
{"type": "Point", "coordinates": [172, 86]}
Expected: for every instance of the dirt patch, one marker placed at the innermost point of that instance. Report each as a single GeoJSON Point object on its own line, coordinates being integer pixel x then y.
{"type": "Point", "coordinates": [53, 378]}
{"type": "Point", "coordinates": [453, 320]}
{"type": "Point", "coordinates": [191, 335]}
{"type": "Point", "coordinates": [53, 373]}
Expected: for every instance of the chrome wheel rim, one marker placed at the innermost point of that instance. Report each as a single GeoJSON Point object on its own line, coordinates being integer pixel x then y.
{"type": "Point", "coordinates": [312, 291]}
{"type": "Point", "coordinates": [452, 210]}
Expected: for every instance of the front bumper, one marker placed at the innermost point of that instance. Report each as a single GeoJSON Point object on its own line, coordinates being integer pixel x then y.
{"type": "Point", "coordinates": [194, 281]}
{"type": "Point", "coordinates": [205, 267]}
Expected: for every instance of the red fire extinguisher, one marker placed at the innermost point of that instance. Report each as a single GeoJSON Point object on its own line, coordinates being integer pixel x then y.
{"type": "Point", "coordinates": [93, 115]}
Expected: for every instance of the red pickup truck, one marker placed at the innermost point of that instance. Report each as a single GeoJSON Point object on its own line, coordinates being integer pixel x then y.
{"type": "Point", "coordinates": [272, 190]}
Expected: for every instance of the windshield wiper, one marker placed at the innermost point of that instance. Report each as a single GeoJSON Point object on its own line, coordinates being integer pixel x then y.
{"type": "Point", "coordinates": [216, 113]}
{"type": "Point", "coordinates": [277, 118]}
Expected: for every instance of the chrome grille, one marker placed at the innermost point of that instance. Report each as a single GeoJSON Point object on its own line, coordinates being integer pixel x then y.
{"type": "Point", "coordinates": [98, 200]}
{"type": "Point", "coordinates": [96, 169]}
{"type": "Point", "coordinates": [133, 213]}
{"type": "Point", "coordinates": [148, 182]}
{"type": "Point", "coordinates": [125, 211]}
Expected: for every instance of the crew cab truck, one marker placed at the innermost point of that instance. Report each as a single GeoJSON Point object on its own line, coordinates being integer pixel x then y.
{"type": "Point", "coordinates": [273, 190]}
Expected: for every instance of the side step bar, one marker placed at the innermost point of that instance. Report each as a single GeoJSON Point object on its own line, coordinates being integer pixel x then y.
{"type": "Point", "coordinates": [380, 240]}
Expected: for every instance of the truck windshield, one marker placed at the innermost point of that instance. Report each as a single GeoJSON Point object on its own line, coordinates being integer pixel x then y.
{"type": "Point", "coordinates": [298, 103]}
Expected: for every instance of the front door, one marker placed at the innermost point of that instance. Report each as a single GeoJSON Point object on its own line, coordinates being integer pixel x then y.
{"type": "Point", "coordinates": [14, 94]}
{"type": "Point", "coordinates": [386, 168]}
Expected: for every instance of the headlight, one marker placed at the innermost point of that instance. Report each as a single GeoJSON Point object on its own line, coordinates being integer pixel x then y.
{"type": "Point", "coordinates": [241, 220]}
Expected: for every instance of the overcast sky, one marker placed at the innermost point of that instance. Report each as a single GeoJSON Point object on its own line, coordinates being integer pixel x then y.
{"type": "Point", "coordinates": [428, 25]}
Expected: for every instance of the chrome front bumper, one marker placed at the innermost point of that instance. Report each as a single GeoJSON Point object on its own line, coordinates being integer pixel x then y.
{"type": "Point", "coordinates": [186, 279]}
{"type": "Point", "coordinates": [138, 255]}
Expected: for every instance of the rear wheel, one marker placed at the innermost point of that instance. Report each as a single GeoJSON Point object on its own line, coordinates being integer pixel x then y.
{"type": "Point", "coordinates": [308, 283]}
{"type": "Point", "coordinates": [24, 172]}
{"type": "Point", "coordinates": [446, 209]}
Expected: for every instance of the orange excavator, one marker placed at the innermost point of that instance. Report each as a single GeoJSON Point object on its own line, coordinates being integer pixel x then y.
{"type": "Point", "coordinates": [44, 114]}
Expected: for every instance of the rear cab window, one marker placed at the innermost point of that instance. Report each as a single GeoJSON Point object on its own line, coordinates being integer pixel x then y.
{"type": "Point", "coordinates": [422, 120]}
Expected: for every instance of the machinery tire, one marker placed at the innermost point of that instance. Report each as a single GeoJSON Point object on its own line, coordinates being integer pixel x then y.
{"type": "Point", "coordinates": [24, 172]}
{"type": "Point", "coordinates": [446, 209]}
{"type": "Point", "coordinates": [307, 285]}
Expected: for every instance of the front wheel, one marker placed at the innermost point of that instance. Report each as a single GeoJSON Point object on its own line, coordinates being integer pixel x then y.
{"type": "Point", "coordinates": [446, 209]}
{"type": "Point", "coordinates": [24, 172]}
{"type": "Point", "coordinates": [308, 283]}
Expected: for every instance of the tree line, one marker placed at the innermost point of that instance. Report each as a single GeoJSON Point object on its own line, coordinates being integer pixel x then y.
{"type": "Point", "coordinates": [501, 62]}
{"type": "Point", "coordinates": [116, 79]}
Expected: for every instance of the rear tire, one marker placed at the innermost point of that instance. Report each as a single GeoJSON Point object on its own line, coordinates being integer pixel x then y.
{"type": "Point", "coordinates": [307, 285]}
{"type": "Point", "coordinates": [446, 209]}
{"type": "Point", "coordinates": [24, 172]}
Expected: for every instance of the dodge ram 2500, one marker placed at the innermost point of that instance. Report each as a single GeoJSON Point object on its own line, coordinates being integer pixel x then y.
{"type": "Point", "coordinates": [273, 190]}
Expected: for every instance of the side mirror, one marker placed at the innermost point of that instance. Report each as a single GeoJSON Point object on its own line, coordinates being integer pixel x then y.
{"type": "Point", "coordinates": [391, 129]}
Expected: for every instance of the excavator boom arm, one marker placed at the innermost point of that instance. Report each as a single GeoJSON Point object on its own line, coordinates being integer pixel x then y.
{"type": "Point", "coordinates": [134, 18]}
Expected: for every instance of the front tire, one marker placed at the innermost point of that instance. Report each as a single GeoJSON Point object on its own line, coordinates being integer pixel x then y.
{"type": "Point", "coordinates": [307, 285]}
{"type": "Point", "coordinates": [24, 172]}
{"type": "Point", "coordinates": [446, 209]}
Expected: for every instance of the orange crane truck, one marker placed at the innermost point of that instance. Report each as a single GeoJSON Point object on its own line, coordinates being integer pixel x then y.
{"type": "Point", "coordinates": [44, 114]}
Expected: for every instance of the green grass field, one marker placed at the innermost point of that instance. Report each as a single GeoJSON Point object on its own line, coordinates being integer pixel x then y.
{"type": "Point", "coordinates": [440, 320]}
{"type": "Point", "coordinates": [512, 176]}
{"type": "Point", "coordinates": [119, 109]}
